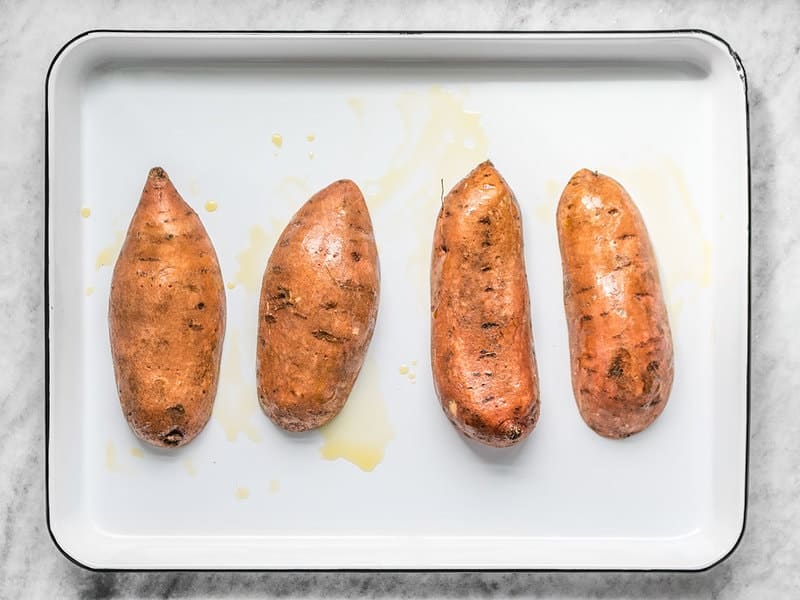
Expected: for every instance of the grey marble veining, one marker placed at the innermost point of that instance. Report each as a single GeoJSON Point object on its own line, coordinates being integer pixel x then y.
{"type": "Point", "coordinates": [765, 35]}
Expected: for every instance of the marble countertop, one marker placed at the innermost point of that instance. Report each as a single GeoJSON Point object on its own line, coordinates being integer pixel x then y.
{"type": "Point", "coordinates": [765, 36]}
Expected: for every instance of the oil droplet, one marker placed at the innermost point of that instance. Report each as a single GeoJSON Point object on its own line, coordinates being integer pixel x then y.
{"type": "Point", "coordinates": [277, 140]}
{"type": "Point", "coordinates": [85, 212]}
{"type": "Point", "coordinates": [412, 376]}
{"type": "Point", "coordinates": [108, 255]}
{"type": "Point", "coordinates": [189, 467]}
{"type": "Point", "coordinates": [414, 363]}
{"type": "Point", "coordinates": [274, 486]}
{"type": "Point", "coordinates": [253, 259]}
{"type": "Point", "coordinates": [235, 407]}
{"type": "Point", "coordinates": [403, 369]}
{"type": "Point", "coordinates": [310, 156]}
{"type": "Point", "coordinates": [310, 137]}
{"type": "Point", "coordinates": [137, 452]}
{"type": "Point", "coordinates": [357, 106]}
{"type": "Point", "coordinates": [231, 285]}
{"type": "Point", "coordinates": [242, 493]}
{"type": "Point", "coordinates": [111, 458]}
{"type": "Point", "coordinates": [89, 291]}
{"type": "Point", "coordinates": [211, 206]}
{"type": "Point", "coordinates": [360, 433]}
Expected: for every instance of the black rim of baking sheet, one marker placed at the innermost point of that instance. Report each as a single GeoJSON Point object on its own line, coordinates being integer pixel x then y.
{"type": "Point", "coordinates": [742, 75]}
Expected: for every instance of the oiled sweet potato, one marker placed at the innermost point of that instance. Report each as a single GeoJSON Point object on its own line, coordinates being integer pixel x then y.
{"type": "Point", "coordinates": [619, 336]}
{"type": "Point", "coordinates": [484, 367]}
{"type": "Point", "coordinates": [166, 318]}
{"type": "Point", "coordinates": [319, 302]}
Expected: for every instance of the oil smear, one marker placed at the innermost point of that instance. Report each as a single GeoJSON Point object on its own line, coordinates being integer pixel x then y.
{"type": "Point", "coordinates": [360, 433]}
{"type": "Point", "coordinates": [443, 141]}
{"type": "Point", "coordinates": [89, 291]}
{"type": "Point", "coordinates": [242, 493]}
{"type": "Point", "coordinates": [237, 402]}
{"type": "Point", "coordinates": [546, 211]}
{"type": "Point", "coordinates": [137, 452]}
{"type": "Point", "coordinates": [253, 259]}
{"type": "Point", "coordinates": [291, 191]}
{"type": "Point", "coordinates": [109, 254]}
{"type": "Point", "coordinates": [111, 462]}
{"type": "Point", "coordinates": [274, 486]}
{"type": "Point", "coordinates": [188, 466]}
{"type": "Point", "coordinates": [357, 106]}
{"type": "Point", "coordinates": [673, 223]}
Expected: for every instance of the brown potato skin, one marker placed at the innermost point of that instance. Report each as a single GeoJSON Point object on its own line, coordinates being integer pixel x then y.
{"type": "Point", "coordinates": [482, 354]}
{"type": "Point", "coordinates": [619, 336]}
{"type": "Point", "coordinates": [166, 318]}
{"type": "Point", "coordinates": [319, 303]}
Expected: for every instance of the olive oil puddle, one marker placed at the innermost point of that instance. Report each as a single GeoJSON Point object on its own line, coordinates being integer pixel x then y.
{"type": "Point", "coordinates": [360, 433]}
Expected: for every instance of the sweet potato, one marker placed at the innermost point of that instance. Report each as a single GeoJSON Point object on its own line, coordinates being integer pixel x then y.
{"type": "Point", "coordinates": [319, 302]}
{"type": "Point", "coordinates": [619, 335]}
{"type": "Point", "coordinates": [166, 318]}
{"type": "Point", "coordinates": [484, 367]}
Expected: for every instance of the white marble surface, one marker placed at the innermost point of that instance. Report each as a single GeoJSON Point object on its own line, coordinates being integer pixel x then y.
{"type": "Point", "coordinates": [765, 35]}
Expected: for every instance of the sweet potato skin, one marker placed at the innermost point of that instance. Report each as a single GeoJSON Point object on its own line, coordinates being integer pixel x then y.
{"type": "Point", "coordinates": [619, 336]}
{"type": "Point", "coordinates": [166, 318]}
{"type": "Point", "coordinates": [318, 306]}
{"type": "Point", "coordinates": [482, 353]}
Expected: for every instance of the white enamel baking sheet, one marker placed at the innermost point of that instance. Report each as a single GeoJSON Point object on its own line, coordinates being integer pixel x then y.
{"type": "Point", "coordinates": [253, 124]}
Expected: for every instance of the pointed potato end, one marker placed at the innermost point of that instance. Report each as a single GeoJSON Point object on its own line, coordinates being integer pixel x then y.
{"type": "Point", "coordinates": [158, 177]}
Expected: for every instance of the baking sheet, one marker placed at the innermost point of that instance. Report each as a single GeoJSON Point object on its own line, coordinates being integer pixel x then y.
{"type": "Point", "coordinates": [248, 126]}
